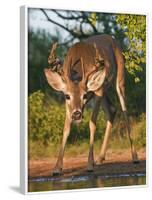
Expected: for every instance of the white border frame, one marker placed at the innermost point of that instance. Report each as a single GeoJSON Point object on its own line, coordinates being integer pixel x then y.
{"type": "Point", "coordinates": [24, 99]}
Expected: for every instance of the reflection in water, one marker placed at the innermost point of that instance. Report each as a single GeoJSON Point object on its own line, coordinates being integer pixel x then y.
{"type": "Point", "coordinates": [86, 182]}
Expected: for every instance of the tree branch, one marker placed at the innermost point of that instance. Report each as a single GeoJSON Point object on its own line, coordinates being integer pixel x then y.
{"type": "Point", "coordinates": [68, 41]}
{"type": "Point", "coordinates": [87, 20]}
{"type": "Point", "coordinates": [56, 23]}
{"type": "Point", "coordinates": [80, 35]}
{"type": "Point", "coordinates": [68, 18]}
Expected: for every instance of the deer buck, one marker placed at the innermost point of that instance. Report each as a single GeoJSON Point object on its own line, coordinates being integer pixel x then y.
{"type": "Point", "coordinates": [89, 69]}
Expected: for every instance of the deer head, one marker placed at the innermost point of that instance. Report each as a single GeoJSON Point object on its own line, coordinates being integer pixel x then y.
{"type": "Point", "coordinates": [77, 86]}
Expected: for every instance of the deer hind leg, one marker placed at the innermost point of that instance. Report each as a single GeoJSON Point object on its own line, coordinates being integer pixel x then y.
{"type": "Point", "coordinates": [121, 94]}
{"type": "Point", "coordinates": [110, 114]}
{"type": "Point", "coordinates": [59, 164]}
{"type": "Point", "coordinates": [92, 126]}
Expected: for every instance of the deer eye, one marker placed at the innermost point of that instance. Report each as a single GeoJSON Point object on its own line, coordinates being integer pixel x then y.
{"type": "Point", "coordinates": [67, 96]}
{"type": "Point", "coordinates": [85, 96]}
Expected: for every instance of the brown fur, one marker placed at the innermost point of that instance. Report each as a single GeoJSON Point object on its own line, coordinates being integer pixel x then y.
{"type": "Point", "coordinates": [109, 50]}
{"type": "Point", "coordinates": [81, 74]}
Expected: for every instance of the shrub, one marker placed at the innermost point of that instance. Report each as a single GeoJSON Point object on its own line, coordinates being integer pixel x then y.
{"type": "Point", "coordinates": [45, 118]}
{"type": "Point", "coordinates": [119, 137]}
{"type": "Point", "coordinates": [140, 131]}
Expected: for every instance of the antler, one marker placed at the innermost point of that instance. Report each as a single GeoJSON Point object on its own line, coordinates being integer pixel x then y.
{"type": "Point", "coordinates": [52, 56]}
{"type": "Point", "coordinates": [54, 62]}
{"type": "Point", "coordinates": [99, 65]}
{"type": "Point", "coordinates": [99, 61]}
{"type": "Point", "coordinates": [85, 75]}
{"type": "Point", "coordinates": [83, 72]}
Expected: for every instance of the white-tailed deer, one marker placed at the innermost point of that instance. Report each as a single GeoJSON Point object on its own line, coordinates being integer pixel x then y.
{"type": "Point", "coordinates": [89, 69]}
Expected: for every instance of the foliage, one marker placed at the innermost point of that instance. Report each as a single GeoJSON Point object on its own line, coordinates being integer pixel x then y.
{"type": "Point", "coordinates": [93, 18]}
{"type": "Point", "coordinates": [140, 131]}
{"type": "Point", "coordinates": [39, 43]}
{"type": "Point", "coordinates": [136, 94]}
{"type": "Point", "coordinates": [45, 118]}
{"type": "Point", "coordinates": [134, 27]}
{"type": "Point", "coordinates": [134, 50]}
{"type": "Point", "coordinates": [46, 121]}
{"type": "Point", "coordinates": [119, 138]}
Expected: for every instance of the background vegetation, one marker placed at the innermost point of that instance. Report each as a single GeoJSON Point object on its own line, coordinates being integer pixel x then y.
{"type": "Point", "coordinates": [46, 107]}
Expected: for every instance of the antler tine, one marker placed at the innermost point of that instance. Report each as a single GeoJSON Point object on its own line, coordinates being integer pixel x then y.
{"type": "Point", "coordinates": [97, 52]}
{"type": "Point", "coordinates": [84, 75]}
{"type": "Point", "coordinates": [52, 56]}
{"type": "Point", "coordinates": [83, 72]}
{"type": "Point", "coordinates": [99, 61]}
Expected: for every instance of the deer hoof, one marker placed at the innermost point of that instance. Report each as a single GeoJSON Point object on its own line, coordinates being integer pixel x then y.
{"type": "Point", "coordinates": [136, 161]}
{"type": "Point", "coordinates": [135, 158]}
{"type": "Point", "coordinates": [90, 168]}
{"type": "Point", "coordinates": [100, 160]}
{"type": "Point", "coordinates": [57, 172]}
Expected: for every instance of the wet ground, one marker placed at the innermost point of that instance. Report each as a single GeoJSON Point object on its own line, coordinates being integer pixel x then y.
{"type": "Point", "coordinates": [86, 181]}
{"type": "Point", "coordinates": [106, 175]}
{"type": "Point", "coordinates": [117, 170]}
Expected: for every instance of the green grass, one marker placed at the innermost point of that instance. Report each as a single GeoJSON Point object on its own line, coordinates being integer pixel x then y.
{"type": "Point", "coordinates": [118, 140]}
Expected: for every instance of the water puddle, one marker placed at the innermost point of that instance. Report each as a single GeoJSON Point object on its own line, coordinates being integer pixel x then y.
{"type": "Point", "coordinates": [88, 181]}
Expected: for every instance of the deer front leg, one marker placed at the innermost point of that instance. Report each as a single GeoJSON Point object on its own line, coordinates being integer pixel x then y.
{"type": "Point", "coordinates": [102, 154]}
{"type": "Point", "coordinates": [92, 126]}
{"type": "Point", "coordinates": [110, 114]}
{"type": "Point", "coordinates": [59, 164]}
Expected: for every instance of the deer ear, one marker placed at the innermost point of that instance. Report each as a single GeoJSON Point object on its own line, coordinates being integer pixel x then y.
{"type": "Point", "coordinates": [96, 80]}
{"type": "Point", "coordinates": [54, 80]}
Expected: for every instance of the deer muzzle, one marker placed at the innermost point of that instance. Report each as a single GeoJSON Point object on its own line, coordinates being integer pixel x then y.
{"type": "Point", "coordinates": [76, 115]}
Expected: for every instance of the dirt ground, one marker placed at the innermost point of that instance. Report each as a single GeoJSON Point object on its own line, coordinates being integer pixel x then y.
{"type": "Point", "coordinates": [117, 162]}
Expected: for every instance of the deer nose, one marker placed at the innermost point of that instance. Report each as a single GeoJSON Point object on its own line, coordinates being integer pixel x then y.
{"type": "Point", "coordinates": [76, 115]}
